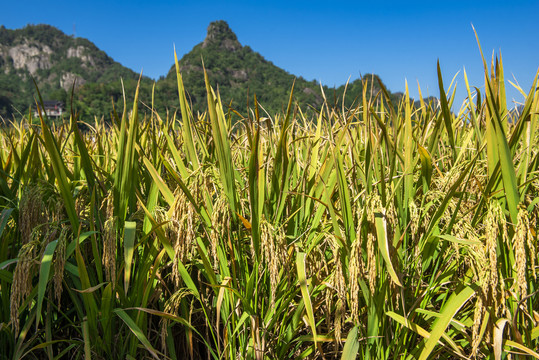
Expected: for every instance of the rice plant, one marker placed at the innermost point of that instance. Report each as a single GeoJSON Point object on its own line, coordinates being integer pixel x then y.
{"type": "Point", "coordinates": [378, 231]}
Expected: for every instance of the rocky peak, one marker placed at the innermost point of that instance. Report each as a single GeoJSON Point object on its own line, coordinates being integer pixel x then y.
{"type": "Point", "coordinates": [220, 35]}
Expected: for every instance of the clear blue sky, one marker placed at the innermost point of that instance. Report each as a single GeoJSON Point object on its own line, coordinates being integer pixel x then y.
{"type": "Point", "coordinates": [328, 41]}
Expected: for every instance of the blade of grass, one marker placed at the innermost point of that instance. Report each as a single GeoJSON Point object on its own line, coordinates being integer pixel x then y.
{"type": "Point", "coordinates": [86, 339]}
{"type": "Point", "coordinates": [58, 166]}
{"type": "Point", "coordinates": [509, 177]}
{"type": "Point", "coordinates": [521, 347]}
{"type": "Point", "coordinates": [498, 338]}
{"type": "Point", "coordinates": [445, 109]}
{"type": "Point", "coordinates": [187, 133]}
{"type": "Point", "coordinates": [448, 312]}
{"type": "Point", "coordinates": [137, 332]}
{"type": "Point", "coordinates": [421, 331]}
{"type": "Point", "coordinates": [383, 244]}
{"type": "Point", "coordinates": [129, 248]}
{"type": "Point", "coordinates": [222, 146]}
{"type": "Point", "coordinates": [4, 218]}
{"type": "Point", "coordinates": [163, 188]}
{"type": "Point", "coordinates": [351, 346]}
{"type": "Point", "coordinates": [44, 270]}
{"type": "Point", "coordinates": [302, 279]}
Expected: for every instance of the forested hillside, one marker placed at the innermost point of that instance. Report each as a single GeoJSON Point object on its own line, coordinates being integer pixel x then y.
{"type": "Point", "coordinates": [59, 63]}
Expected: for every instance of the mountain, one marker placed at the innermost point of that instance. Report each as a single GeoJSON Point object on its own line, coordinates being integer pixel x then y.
{"type": "Point", "coordinates": [237, 71]}
{"type": "Point", "coordinates": [57, 61]}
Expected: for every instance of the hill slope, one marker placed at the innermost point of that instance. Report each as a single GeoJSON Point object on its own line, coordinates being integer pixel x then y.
{"type": "Point", "coordinates": [57, 61]}
{"type": "Point", "coordinates": [238, 71]}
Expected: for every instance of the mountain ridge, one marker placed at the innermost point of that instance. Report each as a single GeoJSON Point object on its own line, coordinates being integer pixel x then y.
{"type": "Point", "coordinates": [55, 60]}
{"type": "Point", "coordinates": [58, 61]}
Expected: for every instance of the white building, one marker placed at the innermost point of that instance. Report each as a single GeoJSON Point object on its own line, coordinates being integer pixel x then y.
{"type": "Point", "coordinates": [53, 109]}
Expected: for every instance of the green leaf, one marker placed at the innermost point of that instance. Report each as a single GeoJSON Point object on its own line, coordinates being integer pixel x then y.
{"type": "Point", "coordinates": [158, 231]}
{"type": "Point", "coordinates": [60, 171]}
{"type": "Point", "coordinates": [346, 203]}
{"type": "Point", "coordinates": [176, 156]}
{"type": "Point", "coordinates": [187, 131]}
{"type": "Point", "coordinates": [129, 248]}
{"type": "Point", "coordinates": [86, 161]}
{"type": "Point", "coordinates": [72, 246]}
{"type": "Point", "coordinates": [448, 312]}
{"type": "Point", "coordinates": [188, 280]}
{"type": "Point", "coordinates": [408, 154]}
{"type": "Point", "coordinates": [4, 217]}
{"type": "Point", "coordinates": [351, 346]}
{"type": "Point", "coordinates": [163, 188]}
{"type": "Point", "coordinates": [257, 189]}
{"type": "Point", "coordinates": [420, 331]}
{"type": "Point", "coordinates": [44, 270]}
{"type": "Point", "coordinates": [445, 109]}
{"type": "Point", "coordinates": [106, 312]}
{"type": "Point", "coordinates": [535, 333]}
{"type": "Point", "coordinates": [125, 174]}
{"type": "Point", "coordinates": [456, 240]}
{"type": "Point", "coordinates": [222, 145]}
{"type": "Point", "coordinates": [90, 305]}
{"type": "Point", "coordinates": [136, 331]}
{"type": "Point", "coordinates": [509, 178]}
{"type": "Point", "coordinates": [87, 343]}
{"type": "Point", "coordinates": [383, 244]}
{"type": "Point", "coordinates": [426, 163]}
{"type": "Point", "coordinates": [521, 347]}
{"type": "Point", "coordinates": [302, 279]}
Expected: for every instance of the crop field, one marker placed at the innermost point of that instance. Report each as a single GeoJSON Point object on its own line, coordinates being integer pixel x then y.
{"type": "Point", "coordinates": [377, 231]}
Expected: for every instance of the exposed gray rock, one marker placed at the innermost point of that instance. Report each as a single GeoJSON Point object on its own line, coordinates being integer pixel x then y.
{"type": "Point", "coordinates": [66, 82]}
{"type": "Point", "coordinates": [81, 53]}
{"type": "Point", "coordinates": [31, 57]}
{"type": "Point", "coordinates": [240, 74]}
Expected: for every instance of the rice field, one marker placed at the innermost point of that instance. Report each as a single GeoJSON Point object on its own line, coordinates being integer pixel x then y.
{"type": "Point", "coordinates": [379, 231]}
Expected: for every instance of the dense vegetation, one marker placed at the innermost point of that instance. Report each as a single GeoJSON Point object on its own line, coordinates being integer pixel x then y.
{"type": "Point", "coordinates": [52, 62]}
{"type": "Point", "coordinates": [237, 71]}
{"type": "Point", "coordinates": [373, 233]}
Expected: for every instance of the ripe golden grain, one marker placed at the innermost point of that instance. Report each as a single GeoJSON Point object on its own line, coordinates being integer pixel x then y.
{"type": "Point", "coordinates": [357, 270]}
{"type": "Point", "coordinates": [491, 233]}
{"type": "Point", "coordinates": [479, 313]}
{"type": "Point", "coordinates": [32, 211]}
{"type": "Point", "coordinates": [373, 205]}
{"type": "Point", "coordinates": [519, 244]}
{"type": "Point", "coordinates": [59, 264]}
{"type": "Point", "coordinates": [22, 276]}
{"type": "Point", "coordinates": [180, 230]}
{"type": "Point", "coordinates": [273, 246]}
{"type": "Point", "coordinates": [109, 249]}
